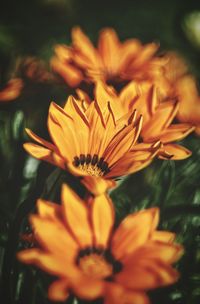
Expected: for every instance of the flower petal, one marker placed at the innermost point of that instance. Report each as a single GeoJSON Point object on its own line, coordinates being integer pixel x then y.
{"type": "Point", "coordinates": [176, 132]}
{"type": "Point", "coordinates": [87, 55]}
{"type": "Point", "coordinates": [175, 151]}
{"type": "Point", "coordinates": [102, 215]}
{"type": "Point", "coordinates": [108, 46]}
{"type": "Point", "coordinates": [42, 153]}
{"type": "Point", "coordinates": [48, 210]}
{"type": "Point", "coordinates": [133, 232]}
{"type": "Point", "coordinates": [45, 261]}
{"type": "Point", "coordinates": [165, 252]}
{"type": "Point", "coordinates": [88, 288]}
{"type": "Point", "coordinates": [146, 274]}
{"type": "Point", "coordinates": [68, 72]}
{"type": "Point", "coordinates": [54, 237]}
{"type": "Point", "coordinates": [163, 236]}
{"type": "Point", "coordinates": [161, 119]}
{"type": "Point", "coordinates": [41, 141]}
{"type": "Point", "coordinates": [58, 291]}
{"type": "Point", "coordinates": [77, 217]}
{"type": "Point", "coordinates": [62, 131]}
{"type": "Point", "coordinates": [116, 294]}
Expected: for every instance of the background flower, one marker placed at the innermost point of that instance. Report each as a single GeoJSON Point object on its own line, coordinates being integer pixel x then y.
{"type": "Point", "coordinates": [112, 61]}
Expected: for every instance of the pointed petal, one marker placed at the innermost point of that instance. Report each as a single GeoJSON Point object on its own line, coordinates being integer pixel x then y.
{"type": "Point", "coordinates": [104, 94]}
{"type": "Point", "coordinates": [61, 129]}
{"type": "Point", "coordinates": [176, 152]}
{"type": "Point", "coordinates": [102, 215]}
{"type": "Point", "coordinates": [176, 132]}
{"type": "Point", "coordinates": [88, 54]}
{"type": "Point", "coordinates": [77, 217]}
{"type": "Point", "coordinates": [133, 232]}
{"type": "Point", "coordinates": [128, 94]}
{"type": "Point", "coordinates": [96, 128]}
{"type": "Point", "coordinates": [73, 109]}
{"type": "Point", "coordinates": [44, 154]}
{"type": "Point", "coordinates": [83, 96]}
{"type": "Point", "coordinates": [41, 141]}
{"type": "Point", "coordinates": [121, 143]}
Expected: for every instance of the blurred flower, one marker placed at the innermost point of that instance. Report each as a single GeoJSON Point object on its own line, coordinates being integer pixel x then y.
{"type": "Point", "coordinates": [93, 141]}
{"type": "Point", "coordinates": [111, 61]}
{"type": "Point", "coordinates": [180, 84]}
{"type": "Point", "coordinates": [157, 116]}
{"type": "Point", "coordinates": [33, 69]}
{"type": "Point", "coordinates": [12, 90]}
{"type": "Point", "coordinates": [78, 245]}
{"type": "Point", "coordinates": [189, 110]}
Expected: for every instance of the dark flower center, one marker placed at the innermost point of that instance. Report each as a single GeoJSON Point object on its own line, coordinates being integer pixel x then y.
{"type": "Point", "coordinates": [98, 263]}
{"type": "Point", "coordinates": [93, 165]}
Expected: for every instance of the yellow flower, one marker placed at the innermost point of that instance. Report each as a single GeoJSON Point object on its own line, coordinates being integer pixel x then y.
{"type": "Point", "coordinates": [157, 116]}
{"type": "Point", "coordinates": [93, 142]}
{"type": "Point", "coordinates": [12, 90]}
{"type": "Point", "coordinates": [111, 61]}
{"type": "Point", "coordinates": [78, 245]}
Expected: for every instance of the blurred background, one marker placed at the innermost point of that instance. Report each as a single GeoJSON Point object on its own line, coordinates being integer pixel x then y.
{"type": "Point", "coordinates": [28, 32]}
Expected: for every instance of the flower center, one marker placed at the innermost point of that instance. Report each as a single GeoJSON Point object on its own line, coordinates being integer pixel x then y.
{"type": "Point", "coordinates": [98, 263]}
{"type": "Point", "coordinates": [96, 266]}
{"type": "Point", "coordinates": [93, 165]}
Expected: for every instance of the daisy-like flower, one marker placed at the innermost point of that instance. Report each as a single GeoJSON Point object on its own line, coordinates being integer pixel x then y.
{"type": "Point", "coordinates": [112, 61]}
{"type": "Point", "coordinates": [78, 245]}
{"type": "Point", "coordinates": [12, 90]}
{"type": "Point", "coordinates": [92, 141]}
{"type": "Point", "coordinates": [157, 116]}
{"type": "Point", "coordinates": [180, 84]}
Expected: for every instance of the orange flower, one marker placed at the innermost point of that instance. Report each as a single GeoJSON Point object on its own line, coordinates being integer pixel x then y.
{"type": "Point", "coordinates": [110, 61]}
{"type": "Point", "coordinates": [12, 90]}
{"type": "Point", "coordinates": [33, 69]}
{"type": "Point", "coordinates": [157, 116]}
{"type": "Point", "coordinates": [180, 84]}
{"type": "Point", "coordinates": [189, 99]}
{"type": "Point", "coordinates": [92, 141]}
{"type": "Point", "coordinates": [78, 245]}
